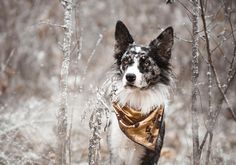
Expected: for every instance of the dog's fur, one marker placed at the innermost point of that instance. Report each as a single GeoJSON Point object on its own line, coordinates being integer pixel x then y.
{"type": "Point", "coordinates": [143, 78]}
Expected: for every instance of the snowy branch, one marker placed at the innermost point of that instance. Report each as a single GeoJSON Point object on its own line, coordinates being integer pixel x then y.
{"type": "Point", "coordinates": [195, 74]}
{"type": "Point", "coordinates": [63, 147]}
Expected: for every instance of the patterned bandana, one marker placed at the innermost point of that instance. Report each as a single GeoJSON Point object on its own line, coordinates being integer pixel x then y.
{"type": "Point", "coordinates": [142, 129]}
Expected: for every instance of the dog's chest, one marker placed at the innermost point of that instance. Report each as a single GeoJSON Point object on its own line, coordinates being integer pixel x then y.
{"type": "Point", "coordinates": [123, 149]}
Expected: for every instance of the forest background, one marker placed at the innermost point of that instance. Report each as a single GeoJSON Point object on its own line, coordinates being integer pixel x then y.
{"type": "Point", "coordinates": [35, 63]}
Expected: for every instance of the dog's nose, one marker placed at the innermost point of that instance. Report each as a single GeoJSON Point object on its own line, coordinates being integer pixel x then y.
{"type": "Point", "coordinates": [130, 77]}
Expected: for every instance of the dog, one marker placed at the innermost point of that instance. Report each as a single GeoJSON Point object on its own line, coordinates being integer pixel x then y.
{"type": "Point", "coordinates": [142, 83]}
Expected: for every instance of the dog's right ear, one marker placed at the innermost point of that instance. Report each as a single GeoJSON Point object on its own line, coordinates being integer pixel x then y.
{"type": "Point", "coordinates": [123, 39]}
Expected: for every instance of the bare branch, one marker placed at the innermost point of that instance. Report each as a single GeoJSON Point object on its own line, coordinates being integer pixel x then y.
{"type": "Point", "coordinates": [185, 7]}
{"type": "Point", "coordinates": [234, 41]}
{"type": "Point", "coordinates": [218, 46]}
{"type": "Point", "coordinates": [69, 138]}
{"type": "Point", "coordinates": [51, 24]}
{"type": "Point", "coordinates": [93, 53]}
{"type": "Point", "coordinates": [4, 66]}
{"type": "Point", "coordinates": [182, 39]}
{"type": "Point", "coordinates": [62, 131]}
{"type": "Point", "coordinates": [195, 74]}
{"type": "Point", "coordinates": [204, 141]}
{"type": "Point", "coordinates": [211, 63]}
{"type": "Point", "coordinates": [209, 78]}
{"type": "Point", "coordinates": [215, 15]}
{"type": "Point", "coordinates": [209, 148]}
{"type": "Point", "coordinates": [214, 116]}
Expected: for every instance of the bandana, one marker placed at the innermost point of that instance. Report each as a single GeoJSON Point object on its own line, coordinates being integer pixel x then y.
{"type": "Point", "coordinates": [142, 129]}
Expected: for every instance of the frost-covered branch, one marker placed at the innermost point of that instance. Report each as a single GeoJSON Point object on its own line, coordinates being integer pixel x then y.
{"type": "Point", "coordinates": [100, 109]}
{"type": "Point", "coordinates": [95, 125]}
{"type": "Point", "coordinates": [185, 7]}
{"type": "Point", "coordinates": [195, 74]}
{"type": "Point", "coordinates": [47, 22]}
{"type": "Point", "coordinates": [93, 53]}
{"type": "Point", "coordinates": [63, 147]}
{"type": "Point", "coordinates": [4, 66]}
{"type": "Point", "coordinates": [182, 39]}
{"type": "Point", "coordinates": [228, 15]}
{"type": "Point", "coordinates": [209, 148]}
{"type": "Point", "coordinates": [94, 142]}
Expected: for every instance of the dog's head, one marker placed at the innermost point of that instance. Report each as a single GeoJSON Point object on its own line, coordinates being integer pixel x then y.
{"type": "Point", "coordinates": [143, 66]}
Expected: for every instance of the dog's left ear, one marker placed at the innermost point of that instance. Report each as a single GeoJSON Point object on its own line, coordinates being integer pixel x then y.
{"type": "Point", "coordinates": [163, 43]}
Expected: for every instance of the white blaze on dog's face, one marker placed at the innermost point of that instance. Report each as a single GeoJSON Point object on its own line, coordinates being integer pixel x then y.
{"type": "Point", "coordinates": [143, 66]}
{"type": "Point", "coordinates": [132, 76]}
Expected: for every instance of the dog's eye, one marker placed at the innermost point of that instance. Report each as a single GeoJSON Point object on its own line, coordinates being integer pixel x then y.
{"type": "Point", "coordinates": [146, 63]}
{"type": "Point", "coordinates": [126, 61]}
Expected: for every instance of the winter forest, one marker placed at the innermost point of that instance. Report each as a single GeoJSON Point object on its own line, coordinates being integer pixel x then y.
{"type": "Point", "coordinates": [55, 57]}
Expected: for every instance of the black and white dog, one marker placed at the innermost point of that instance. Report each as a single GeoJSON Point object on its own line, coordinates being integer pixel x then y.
{"type": "Point", "coordinates": [144, 79]}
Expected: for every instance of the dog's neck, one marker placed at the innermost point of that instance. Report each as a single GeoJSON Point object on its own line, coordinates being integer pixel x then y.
{"type": "Point", "coordinates": [143, 100]}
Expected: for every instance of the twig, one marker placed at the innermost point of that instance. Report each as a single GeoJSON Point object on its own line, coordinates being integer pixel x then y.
{"type": "Point", "coordinates": [4, 66]}
{"type": "Point", "coordinates": [209, 148]}
{"type": "Point", "coordinates": [206, 3]}
{"type": "Point", "coordinates": [203, 141]}
{"type": "Point", "coordinates": [69, 138]}
{"type": "Point", "coordinates": [51, 24]}
{"type": "Point", "coordinates": [182, 39]}
{"type": "Point", "coordinates": [80, 43]}
{"type": "Point", "coordinates": [219, 47]}
{"type": "Point", "coordinates": [209, 77]}
{"type": "Point", "coordinates": [185, 7]}
{"type": "Point", "coordinates": [106, 107]}
{"type": "Point", "coordinates": [93, 53]}
{"type": "Point", "coordinates": [215, 16]}
{"type": "Point", "coordinates": [234, 40]}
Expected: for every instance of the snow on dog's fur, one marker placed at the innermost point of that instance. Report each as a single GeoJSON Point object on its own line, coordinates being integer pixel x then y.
{"type": "Point", "coordinates": [143, 79]}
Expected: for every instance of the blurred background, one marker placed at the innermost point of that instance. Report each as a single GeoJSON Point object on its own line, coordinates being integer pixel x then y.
{"type": "Point", "coordinates": [31, 37]}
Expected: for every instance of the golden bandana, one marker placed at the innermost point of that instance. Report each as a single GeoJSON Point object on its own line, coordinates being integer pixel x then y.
{"type": "Point", "coordinates": [142, 129]}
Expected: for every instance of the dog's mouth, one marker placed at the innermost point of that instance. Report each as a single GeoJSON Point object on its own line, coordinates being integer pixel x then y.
{"type": "Point", "coordinates": [130, 85]}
